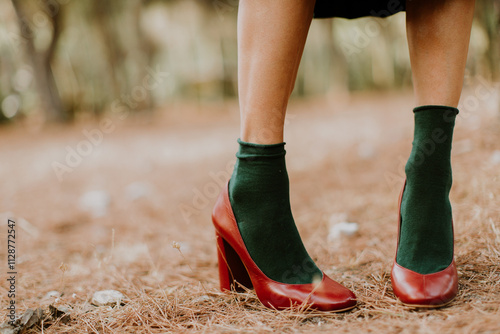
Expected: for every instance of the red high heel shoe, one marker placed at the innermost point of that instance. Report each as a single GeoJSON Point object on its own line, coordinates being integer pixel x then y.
{"type": "Point", "coordinates": [237, 267]}
{"type": "Point", "coordinates": [419, 290]}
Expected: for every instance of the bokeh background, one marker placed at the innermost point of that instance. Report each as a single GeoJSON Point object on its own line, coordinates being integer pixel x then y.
{"type": "Point", "coordinates": [64, 59]}
{"type": "Point", "coordinates": [118, 128]}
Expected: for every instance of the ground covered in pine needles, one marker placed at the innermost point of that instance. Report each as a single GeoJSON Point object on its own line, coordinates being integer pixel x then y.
{"type": "Point", "coordinates": [132, 214]}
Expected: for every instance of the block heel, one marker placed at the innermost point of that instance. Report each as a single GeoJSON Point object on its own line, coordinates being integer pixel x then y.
{"type": "Point", "coordinates": [233, 275]}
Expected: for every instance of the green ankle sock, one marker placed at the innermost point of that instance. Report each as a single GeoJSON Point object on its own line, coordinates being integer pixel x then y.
{"type": "Point", "coordinates": [426, 236]}
{"type": "Point", "coordinates": [259, 196]}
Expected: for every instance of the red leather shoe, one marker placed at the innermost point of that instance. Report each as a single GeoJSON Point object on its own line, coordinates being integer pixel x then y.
{"type": "Point", "coordinates": [236, 267]}
{"type": "Point", "coordinates": [419, 290]}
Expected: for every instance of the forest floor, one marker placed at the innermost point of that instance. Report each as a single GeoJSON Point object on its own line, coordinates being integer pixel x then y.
{"type": "Point", "coordinates": [129, 210]}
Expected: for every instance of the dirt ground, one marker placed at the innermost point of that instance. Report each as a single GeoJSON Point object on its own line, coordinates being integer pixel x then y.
{"type": "Point", "coordinates": [125, 205]}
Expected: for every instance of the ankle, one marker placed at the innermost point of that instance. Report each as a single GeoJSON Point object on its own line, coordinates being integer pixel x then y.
{"type": "Point", "coordinates": [260, 199]}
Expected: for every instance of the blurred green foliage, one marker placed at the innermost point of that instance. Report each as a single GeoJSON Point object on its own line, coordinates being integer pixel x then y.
{"type": "Point", "coordinates": [64, 58]}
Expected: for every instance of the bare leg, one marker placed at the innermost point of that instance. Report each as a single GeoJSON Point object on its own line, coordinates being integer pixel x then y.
{"type": "Point", "coordinates": [438, 39]}
{"type": "Point", "coordinates": [271, 39]}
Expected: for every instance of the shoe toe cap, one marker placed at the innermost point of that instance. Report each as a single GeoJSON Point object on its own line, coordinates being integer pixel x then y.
{"type": "Point", "coordinates": [432, 290]}
{"type": "Point", "coordinates": [327, 295]}
{"type": "Point", "coordinates": [332, 296]}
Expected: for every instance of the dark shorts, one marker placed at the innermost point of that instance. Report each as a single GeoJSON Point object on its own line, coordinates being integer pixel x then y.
{"type": "Point", "coordinates": [358, 8]}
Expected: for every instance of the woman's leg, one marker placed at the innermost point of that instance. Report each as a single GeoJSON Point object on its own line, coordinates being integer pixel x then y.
{"type": "Point", "coordinates": [438, 37]}
{"type": "Point", "coordinates": [271, 38]}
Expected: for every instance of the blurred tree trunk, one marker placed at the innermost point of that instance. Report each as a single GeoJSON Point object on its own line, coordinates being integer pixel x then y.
{"type": "Point", "coordinates": [492, 22]}
{"type": "Point", "coordinates": [103, 13]}
{"type": "Point", "coordinates": [41, 60]}
{"type": "Point", "coordinates": [146, 51]}
{"type": "Point", "coordinates": [229, 88]}
{"type": "Point", "coordinates": [338, 72]}
{"type": "Point", "coordinates": [120, 48]}
{"type": "Point", "coordinates": [488, 12]}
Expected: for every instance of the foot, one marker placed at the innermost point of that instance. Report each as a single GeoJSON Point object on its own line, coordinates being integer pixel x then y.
{"type": "Point", "coordinates": [426, 231]}
{"type": "Point", "coordinates": [259, 196]}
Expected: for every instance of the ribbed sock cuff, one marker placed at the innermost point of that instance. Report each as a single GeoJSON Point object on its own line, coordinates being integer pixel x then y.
{"type": "Point", "coordinates": [452, 111]}
{"type": "Point", "coordinates": [255, 151]}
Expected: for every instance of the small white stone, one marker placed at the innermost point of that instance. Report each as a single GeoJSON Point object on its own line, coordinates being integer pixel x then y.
{"type": "Point", "coordinates": [342, 229]}
{"type": "Point", "coordinates": [366, 150]}
{"type": "Point", "coordinates": [107, 298]}
{"type": "Point", "coordinates": [52, 294]}
{"type": "Point", "coordinates": [96, 202]}
{"type": "Point", "coordinates": [201, 299]}
{"type": "Point", "coordinates": [137, 190]}
{"type": "Point", "coordinates": [6, 328]}
{"type": "Point", "coordinates": [495, 157]}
